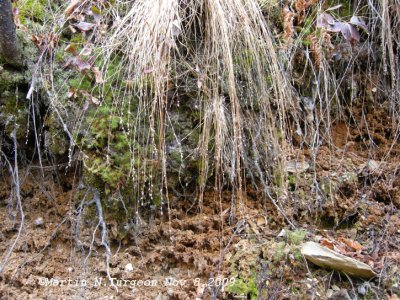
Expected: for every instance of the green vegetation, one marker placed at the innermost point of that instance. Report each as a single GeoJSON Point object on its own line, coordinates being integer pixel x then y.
{"type": "Point", "coordinates": [32, 10]}
{"type": "Point", "coordinates": [14, 114]}
{"type": "Point", "coordinates": [148, 101]}
{"type": "Point", "coordinates": [295, 238]}
{"type": "Point", "coordinates": [243, 287]}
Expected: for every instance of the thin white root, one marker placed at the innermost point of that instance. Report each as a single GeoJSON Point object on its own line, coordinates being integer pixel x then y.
{"type": "Point", "coordinates": [15, 176]}
{"type": "Point", "coordinates": [104, 234]}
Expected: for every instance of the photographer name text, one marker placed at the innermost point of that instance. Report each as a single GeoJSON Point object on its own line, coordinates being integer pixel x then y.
{"type": "Point", "coordinates": [102, 282]}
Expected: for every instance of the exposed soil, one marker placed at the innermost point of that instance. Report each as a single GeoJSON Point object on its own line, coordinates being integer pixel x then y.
{"type": "Point", "coordinates": [180, 254]}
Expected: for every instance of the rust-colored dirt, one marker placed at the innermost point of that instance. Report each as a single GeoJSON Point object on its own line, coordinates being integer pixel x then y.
{"type": "Point", "coordinates": [179, 255]}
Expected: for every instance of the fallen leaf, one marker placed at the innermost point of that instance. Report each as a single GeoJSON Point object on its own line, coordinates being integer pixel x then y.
{"type": "Point", "coordinates": [253, 227]}
{"type": "Point", "coordinates": [71, 48]}
{"type": "Point", "coordinates": [261, 221]}
{"type": "Point", "coordinates": [86, 51]}
{"type": "Point", "coordinates": [95, 100]}
{"type": "Point", "coordinates": [71, 93]}
{"type": "Point", "coordinates": [97, 74]}
{"type": "Point", "coordinates": [79, 63]}
{"type": "Point", "coordinates": [325, 20]}
{"type": "Point", "coordinates": [71, 7]}
{"type": "Point", "coordinates": [84, 26]}
{"type": "Point", "coordinates": [350, 243]}
{"type": "Point", "coordinates": [326, 243]}
{"type": "Point", "coordinates": [349, 31]}
{"type": "Point", "coordinates": [359, 22]}
{"type": "Point", "coordinates": [340, 249]}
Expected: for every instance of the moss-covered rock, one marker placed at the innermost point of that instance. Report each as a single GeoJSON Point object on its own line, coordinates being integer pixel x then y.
{"type": "Point", "coordinates": [14, 114]}
{"type": "Point", "coordinates": [55, 139]}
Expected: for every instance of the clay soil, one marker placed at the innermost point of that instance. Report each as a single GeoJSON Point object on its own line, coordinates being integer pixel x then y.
{"type": "Point", "coordinates": [189, 253]}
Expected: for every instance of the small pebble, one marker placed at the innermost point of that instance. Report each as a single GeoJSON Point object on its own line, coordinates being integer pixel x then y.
{"type": "Point", "coordinates": [39, 221]}
{"type": "Point", "coordinates": [129, 267]}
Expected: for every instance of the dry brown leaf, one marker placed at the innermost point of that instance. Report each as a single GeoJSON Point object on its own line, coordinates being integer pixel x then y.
{"type": "Point", "coordinates": [316, 49]}
{"type": "Point", "coordinates": [71, 7]}
{"type": "Point", "coordinates": [327, 243]}
{"type": "Point", "coordinates": [288, 28]}
{"type": "Point", "coordinates": [79, 63]}
{"type": "Point", "coordinates": [97, 74]}
{"type": "Point", "coordinates": [261, 221]}
{"type": "Point", "coordinates": [253, 227]}
{"type": "Point", "coordinates": [355, 246]}
{"type": "Point", "coordinates": [71, 48]}
{"type": "Point", "coordinates": [71, 93]}
{"type": "Point", "coordinates": [45, 42]}
{"type": "Point", "coordinates": [339, 248]}
{"type": "Point", "coordinates": [301, 6]}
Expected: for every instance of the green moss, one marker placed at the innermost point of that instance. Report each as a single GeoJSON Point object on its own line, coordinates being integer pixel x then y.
{"type": "Point", "coordinates": [32, 10]}
{"type": "Point", "coordinates": [297, 254]}
{"type": "Point", "coordinates": [175, 156]}
{"type": "Point", "coordinates": [292, 182]}
{"type": "Point", "coordinates": [9, 79]}
{"type": "Point", "coordinates": [272, 9]}
{"type": "Point", "coordinates": [280, 252]}
{"type": "Point", "coordinates": [81, 82]}
{"type": "Point", "coordinates": [78, 38]}
{"type": "Point", "coordinates": [297, 237]}
{"type": "Point", "coordinates": [55, 139]}
{"type": "Point", "coordinates": [278, 176]}
{"type": "Point", "coordinates": [14, 114]}
{"type": "Point", "coordinates": [243, 287]}
{"type": "Point", "coordinates": [61, 56]}
{"type": "Point", "coordinates": [28, 49]}
{"type": "Point", "coordinates": [244, 269]}
{"type": "Point", "coordinates": [343, 12]}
